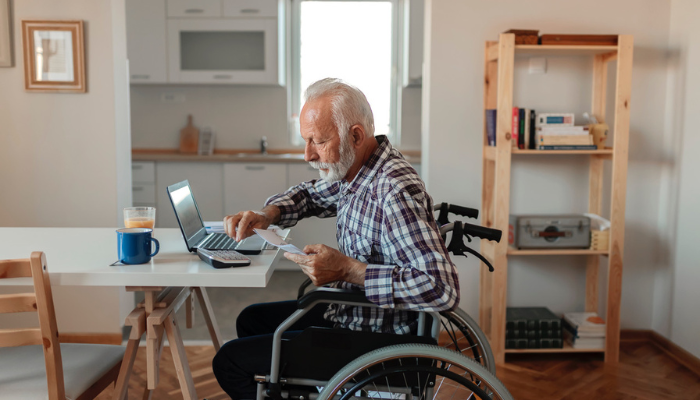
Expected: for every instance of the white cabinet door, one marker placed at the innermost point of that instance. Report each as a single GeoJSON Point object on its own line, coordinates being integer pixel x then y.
{"type": "Point", "coordinates": [145, 41]}
{"type": "Point", "coordinates": [223, 50]}
{"type": "Point", "coordinates": [311, 230]}
{"type": "Point", "coordinates": [206, 180]}
{"type": "Point", "coordinates": [194, 8]}
{"type": "Point", "coordinates": [250, 8]}
{"type": "Point", "coordinates": [247, 186]}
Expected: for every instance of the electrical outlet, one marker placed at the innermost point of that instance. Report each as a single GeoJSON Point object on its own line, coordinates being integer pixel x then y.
{"type": "Point", "coordinates": [172, 98]}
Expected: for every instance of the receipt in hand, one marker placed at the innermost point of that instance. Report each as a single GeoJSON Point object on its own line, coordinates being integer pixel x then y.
{"type": "Point", "coordinates": [274, 239]}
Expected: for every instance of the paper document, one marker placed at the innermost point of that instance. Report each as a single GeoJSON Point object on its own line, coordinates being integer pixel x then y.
{"type": "Point", "coordinates": [271, 237]}
{"type": "Point", "coordinates": [214, 226]}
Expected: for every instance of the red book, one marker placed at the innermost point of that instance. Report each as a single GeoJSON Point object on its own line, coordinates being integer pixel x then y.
{"type": "Point", "coordinates": [515, 128]}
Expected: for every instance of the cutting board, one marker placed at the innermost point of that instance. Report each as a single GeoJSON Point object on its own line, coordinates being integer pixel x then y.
{"type": "Point", "coordinates": [189, 138]}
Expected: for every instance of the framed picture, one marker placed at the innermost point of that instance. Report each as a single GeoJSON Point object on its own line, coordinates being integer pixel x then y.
{"type": "Point", "coordinates": [54, 56]}
{"type": "Point", "coordinates": [5, 34]}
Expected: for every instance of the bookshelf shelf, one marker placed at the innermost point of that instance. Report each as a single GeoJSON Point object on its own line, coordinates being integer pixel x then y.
{"type": "Point", "coordinates": [563, 252]}
{"type": "Point", "coordinates": [555, 50]}
{"type": "Point", "coordinates": [603, 152]}
{"type": "Point", "coordinates": [566, 349]}
{"type": "Point", "coordinates": [499, 59]}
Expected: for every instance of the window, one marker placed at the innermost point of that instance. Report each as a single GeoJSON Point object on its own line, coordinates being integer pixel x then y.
{"type": "Point", "coordinates": [356, 41]}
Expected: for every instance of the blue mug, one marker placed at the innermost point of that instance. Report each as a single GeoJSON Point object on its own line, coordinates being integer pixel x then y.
{"type": "Point", "coordinates": [134, 245]}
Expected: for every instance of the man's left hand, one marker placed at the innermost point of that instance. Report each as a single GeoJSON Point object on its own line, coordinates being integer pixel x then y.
{"type": "Point", "coordinates": [325, 264]}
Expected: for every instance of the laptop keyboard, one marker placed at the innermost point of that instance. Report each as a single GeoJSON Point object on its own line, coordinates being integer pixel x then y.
{"type": "Point", "coordinates": [221, 241]}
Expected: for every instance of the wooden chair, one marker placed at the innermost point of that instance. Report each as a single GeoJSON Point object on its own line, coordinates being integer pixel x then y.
{"type": "Point", "coordinates": [32, 362]}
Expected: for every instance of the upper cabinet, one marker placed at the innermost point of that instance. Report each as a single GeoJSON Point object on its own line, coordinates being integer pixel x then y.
{"type": "Point", "coordinates": [145, 41]}
{"type": "Point", "coordinates": [206, 41]}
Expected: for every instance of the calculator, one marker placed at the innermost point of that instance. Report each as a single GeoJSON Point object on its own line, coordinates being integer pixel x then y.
{"type": "Point", "coordinates": [223, 258]}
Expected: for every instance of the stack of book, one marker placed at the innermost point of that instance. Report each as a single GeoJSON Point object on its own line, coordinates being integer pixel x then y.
{"type": "Point", "coordinates": [557, 132]}
{"type": "Point", "coordinates": [584, 330]}
{"type": "Point", "coordinates": [532, 328]}
{"type": "Point", "coordinates": [522, 128]}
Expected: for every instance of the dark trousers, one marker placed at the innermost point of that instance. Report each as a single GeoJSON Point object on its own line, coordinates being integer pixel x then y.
{"type": "Point", "coordinates": [239, 360]}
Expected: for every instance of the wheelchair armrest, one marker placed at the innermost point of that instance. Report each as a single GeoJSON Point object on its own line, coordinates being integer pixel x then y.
{"type": "Point", "coordinates": [332, 295]}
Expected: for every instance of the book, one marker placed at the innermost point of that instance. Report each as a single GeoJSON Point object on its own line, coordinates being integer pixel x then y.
{"type": "Point", "coordinates": [584, 343]}
{"type": "Point", "coordinates": [521, 128]}
{"type": "Point", "coordinates": [533, 131]}
{"type": "Point", "coordinates": [562, 130]}
{"type": "Point", "coordinates": [565, 147]}
{"type": "Point", "coordinates": [560, 119]}
{"type": "Point", "coordinates": [565, 139]}
{"type": "Point", "coordinates": [515, 127]}
{"type": "Point", "coordinates": [588, 322]}
{"type": "Point", "coordinates": [491, 127]}
{"type": "Point", "coordinates": [532, 327]}
{"type": "Point", "coordinates": [526, 131]}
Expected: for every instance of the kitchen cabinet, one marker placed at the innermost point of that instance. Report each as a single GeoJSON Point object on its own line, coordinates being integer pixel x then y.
{"type": "Point", "coordinates": [248, 185]}
{"type": "Point", "coordinates": [194, 8]}
{"type": "Point", "coordinates": [145, 41]}
{"type": "Point", "coordinates": [143, 188]}
{"type": "Point", "coordinates": [223, 50]}
{"type": "Point", "coordinates": [206, 180]}
{"type": "Point", "coordinates": [250, 8]}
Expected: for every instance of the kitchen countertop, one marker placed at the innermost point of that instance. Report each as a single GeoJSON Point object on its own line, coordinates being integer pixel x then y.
{"type": "Point", "coordinates": [233, 156]}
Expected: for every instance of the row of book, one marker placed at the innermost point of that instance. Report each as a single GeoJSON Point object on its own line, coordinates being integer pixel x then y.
{"type": "Point", "coordinates": [540, 328]}
{"type": "Point", "coordinates": [545, 131]}
{"type": "Point", "coordinates": [532, 328]}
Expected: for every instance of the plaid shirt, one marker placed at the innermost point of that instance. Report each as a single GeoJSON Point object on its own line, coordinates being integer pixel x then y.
{"type": "Point", "coordinates": [385, 220]}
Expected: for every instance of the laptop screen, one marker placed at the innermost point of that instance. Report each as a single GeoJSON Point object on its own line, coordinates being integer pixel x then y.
{"type": "Point", "coordinates": [186, 210]}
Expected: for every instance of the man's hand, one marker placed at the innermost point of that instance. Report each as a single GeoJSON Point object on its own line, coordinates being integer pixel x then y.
{"type": "Point", "coordinates": [325, 264]}
{"type": "Point", "coordinates": [240, 226]}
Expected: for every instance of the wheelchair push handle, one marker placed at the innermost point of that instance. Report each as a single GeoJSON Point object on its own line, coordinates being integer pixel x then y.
{"type": "Point", "coordinates": [482, 232]}
{"type": "Point", "coordinates": [446, 208]}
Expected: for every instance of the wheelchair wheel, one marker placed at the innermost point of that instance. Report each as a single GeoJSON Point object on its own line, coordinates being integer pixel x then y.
{"type": "Point", "coordinates": [461, 333]}
{"type": "Point", "coordinates": [414, 372]}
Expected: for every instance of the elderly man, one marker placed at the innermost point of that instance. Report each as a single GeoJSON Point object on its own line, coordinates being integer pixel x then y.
{"type": "Point", "coordinates": [389, 243]}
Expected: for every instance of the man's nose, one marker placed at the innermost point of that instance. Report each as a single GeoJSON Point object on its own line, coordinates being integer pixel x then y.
{"type": "Point", "coordinates": [309, 153]}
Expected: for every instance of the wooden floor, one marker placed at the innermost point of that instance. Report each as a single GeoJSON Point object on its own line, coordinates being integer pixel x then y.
{"type": "Point", "coordinates": [644, 372]}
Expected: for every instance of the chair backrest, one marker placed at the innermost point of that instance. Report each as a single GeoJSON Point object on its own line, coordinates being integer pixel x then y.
{"type": "Point", "coordinates": [41, 301]}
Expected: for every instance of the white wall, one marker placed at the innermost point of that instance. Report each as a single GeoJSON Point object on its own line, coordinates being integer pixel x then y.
{"type": "Point", "coordinates": [452, 136]}
{"type": "Point", "coordinates": [676, 315]}
{"type": "Point", "coordinates": [64, 158]}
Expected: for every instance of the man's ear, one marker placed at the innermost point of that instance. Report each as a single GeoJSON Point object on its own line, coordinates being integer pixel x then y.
{"type": "Point", "coordinates": [357, 133]}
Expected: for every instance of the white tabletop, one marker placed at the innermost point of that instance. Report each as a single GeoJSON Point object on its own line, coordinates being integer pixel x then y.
{"type": "Point", "coordinates": [82, 257]}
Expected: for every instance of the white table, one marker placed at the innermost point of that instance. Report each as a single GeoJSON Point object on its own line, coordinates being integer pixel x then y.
{"type": "Point", "coordinates": [82, 257]}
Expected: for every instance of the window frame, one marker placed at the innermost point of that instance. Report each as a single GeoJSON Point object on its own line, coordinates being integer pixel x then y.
{"type": "Point", "coordinates": [294, 89]}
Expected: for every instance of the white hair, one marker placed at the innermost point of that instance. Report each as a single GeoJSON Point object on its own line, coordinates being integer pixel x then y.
{"type": "Point", "coordinates": [349, 106]}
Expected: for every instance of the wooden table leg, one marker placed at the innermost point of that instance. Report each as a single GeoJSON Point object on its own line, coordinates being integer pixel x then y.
{"type": "Point", "coordinates": [137, 321]}
{"type": "Point", "coordinates": [189, 311]}
{"type": "Point", "coordinates": [154, 348]}
{"type": "Point", "coordinates": [209, 317]}
{"type": "Point", "coordinates": [177, 348]}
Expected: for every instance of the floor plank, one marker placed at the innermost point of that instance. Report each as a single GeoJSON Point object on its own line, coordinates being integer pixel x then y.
{"type": "Point", "coordinates": [644, 372]}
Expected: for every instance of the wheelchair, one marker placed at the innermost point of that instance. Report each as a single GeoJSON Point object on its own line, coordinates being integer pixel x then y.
{"type": "Point", "coordinates": [448, 358]}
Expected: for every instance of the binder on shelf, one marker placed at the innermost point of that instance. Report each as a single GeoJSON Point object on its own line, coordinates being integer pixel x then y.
{"type": "Point", "coordinates": [533, 327]}
{"type": "Point", "coordinates": [515, 127]}
{"type": "Point", "coordinates": [521, 128]}
{"type": "Point", "coordinates": [533, 131]}
{"type": "Point", "coordinates": [491, 127]}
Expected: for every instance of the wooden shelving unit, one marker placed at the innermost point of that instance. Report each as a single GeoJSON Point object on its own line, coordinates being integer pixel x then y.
{"type": "Point", "coordinates": [498, 94]}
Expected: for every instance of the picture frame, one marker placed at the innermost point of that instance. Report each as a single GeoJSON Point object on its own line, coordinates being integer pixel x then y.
{"type": "Point", "coordinates": [6, 59]}
{"type": "Point", "coordinates": [54, 56]}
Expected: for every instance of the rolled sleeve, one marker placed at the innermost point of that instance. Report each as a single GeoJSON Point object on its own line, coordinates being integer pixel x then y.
{"type": "Point", "coordinates": [315, 198]}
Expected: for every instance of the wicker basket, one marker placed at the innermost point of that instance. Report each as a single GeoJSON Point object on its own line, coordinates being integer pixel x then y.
{"type": "Point", "coordinates": [600, 240]}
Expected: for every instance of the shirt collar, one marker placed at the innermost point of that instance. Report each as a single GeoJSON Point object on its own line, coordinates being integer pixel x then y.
{"type": "Point", "coordinates": [370, 167]}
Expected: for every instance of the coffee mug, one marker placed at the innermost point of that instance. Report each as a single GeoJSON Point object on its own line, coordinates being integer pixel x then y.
{"type": "Point", "coordinates": [134, 245]}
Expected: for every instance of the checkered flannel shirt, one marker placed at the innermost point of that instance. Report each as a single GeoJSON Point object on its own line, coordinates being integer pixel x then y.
{"type": "Point", "coordinates": [385, 220]}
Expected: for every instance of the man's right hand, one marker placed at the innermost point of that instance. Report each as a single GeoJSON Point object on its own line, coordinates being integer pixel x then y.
{"type": "Point", "coordinates": [240, 226]}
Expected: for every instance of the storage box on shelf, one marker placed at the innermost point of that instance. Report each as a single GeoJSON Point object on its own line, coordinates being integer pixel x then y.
{"type": "Point", "coordinates": [498, 94]}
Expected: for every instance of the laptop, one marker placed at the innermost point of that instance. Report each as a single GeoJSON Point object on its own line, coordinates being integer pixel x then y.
{"type": "Point", "coordinates": [193, 230]}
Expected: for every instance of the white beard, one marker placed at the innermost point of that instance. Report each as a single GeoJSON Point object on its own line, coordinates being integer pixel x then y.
{"type": "Point", "coordinates": [337, 170]}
